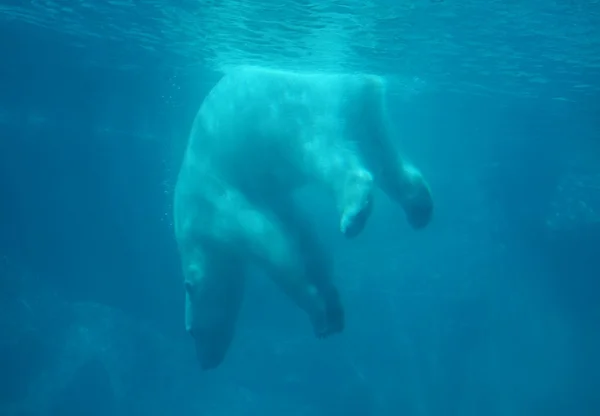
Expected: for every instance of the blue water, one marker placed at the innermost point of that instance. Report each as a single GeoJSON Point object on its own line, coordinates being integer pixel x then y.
{"type": "Point", "coordinates": [492, 310]}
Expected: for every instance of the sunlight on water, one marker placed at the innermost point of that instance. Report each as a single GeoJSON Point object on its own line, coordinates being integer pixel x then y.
{"type": "Point", "coordinates": [482, 47]}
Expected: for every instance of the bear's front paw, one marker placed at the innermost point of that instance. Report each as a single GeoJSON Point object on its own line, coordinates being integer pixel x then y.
{"type": "Point", "coordinates": [357, 203]}
{"type": "Point", "coordinates": [329, 324]}
{"type": "Point", "coordinates": [330, 318]}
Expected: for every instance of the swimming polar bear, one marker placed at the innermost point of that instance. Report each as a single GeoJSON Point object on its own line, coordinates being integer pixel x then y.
{"type": "Point", "coordinates": [259, 135]}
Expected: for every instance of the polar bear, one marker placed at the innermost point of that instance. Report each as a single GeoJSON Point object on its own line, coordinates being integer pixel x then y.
{"type": "Point", "coordinates": [259, 135]}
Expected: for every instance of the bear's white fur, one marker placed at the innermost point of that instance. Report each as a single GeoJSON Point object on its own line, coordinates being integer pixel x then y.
{"type": "Point", "coordinates": [259, 135]}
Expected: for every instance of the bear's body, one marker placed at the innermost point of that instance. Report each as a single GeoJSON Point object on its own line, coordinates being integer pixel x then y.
{"type": "Point", "coordinates": [259, 135]}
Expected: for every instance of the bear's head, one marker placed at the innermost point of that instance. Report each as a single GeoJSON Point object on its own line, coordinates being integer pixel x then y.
{"type": "Point", "coordinates": [211, 306]}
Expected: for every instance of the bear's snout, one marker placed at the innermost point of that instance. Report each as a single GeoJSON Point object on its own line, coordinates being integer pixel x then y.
{"type": "Point", "coordinates": [211, 347]}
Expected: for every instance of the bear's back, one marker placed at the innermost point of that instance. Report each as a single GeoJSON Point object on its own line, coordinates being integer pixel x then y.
{"type": "Point", "coordinates": [254, 125]}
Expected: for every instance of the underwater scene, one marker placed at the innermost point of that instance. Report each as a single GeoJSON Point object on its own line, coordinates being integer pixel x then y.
{"type": "Point", "coordinates": [300, 207]}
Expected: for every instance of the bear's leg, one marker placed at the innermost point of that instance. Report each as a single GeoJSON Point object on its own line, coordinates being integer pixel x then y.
{"type": "Point", "coordinates": [401, 181]}
{"type": "Point", "coordinates": [317, 265]}
{"type": "Point", "coordinates": [337, 165]}
{"type": "Point", "coordinates": [266, 238]}
{"type": "Point", "coordinates": [214, 286]}
{"type": "Point", "coordinates": [405, 184]}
